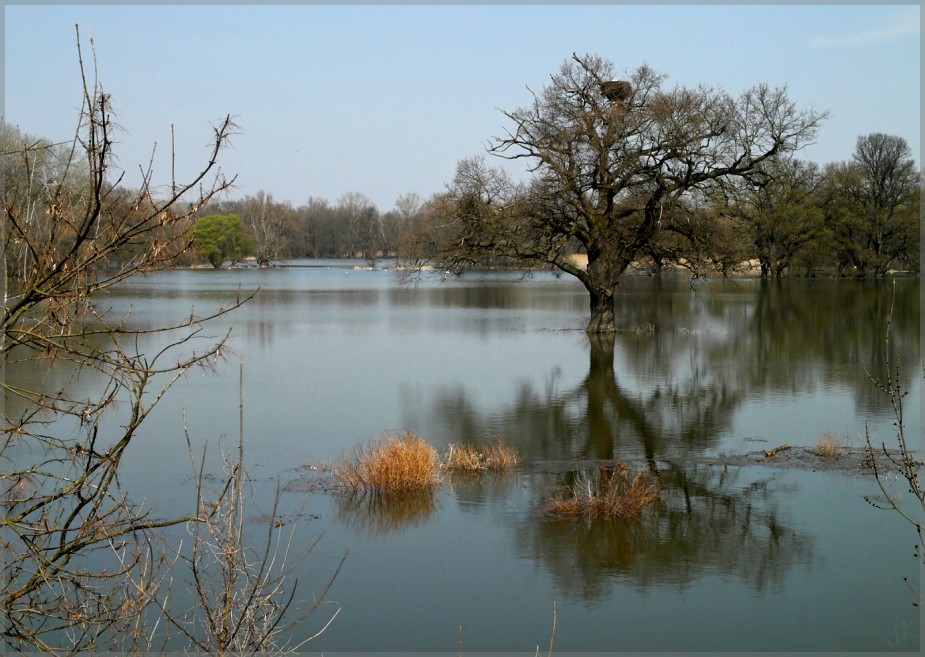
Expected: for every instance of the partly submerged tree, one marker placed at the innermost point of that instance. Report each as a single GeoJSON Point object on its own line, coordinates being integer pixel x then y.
{"type": "Point", "coordinates": [221, 238]}
{"type": "Point", "coordinates": [780, 214]}
{"type": "Point", "coordinates": [364, 229]}
{"type": "Point", "coordinates": [266, 221]}
{"type": "Point", "coordinates": [610, 162]}
{"type": "Point", "coordinates": [874, 204]}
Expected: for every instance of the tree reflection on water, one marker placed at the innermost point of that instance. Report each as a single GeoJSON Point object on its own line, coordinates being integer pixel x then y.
{"type": "Point", "coordinates": [662, 392]}
{"type": "Point", "coordinates": [671, 381]}
{"type": "Point", "coordinates": [707, 523]}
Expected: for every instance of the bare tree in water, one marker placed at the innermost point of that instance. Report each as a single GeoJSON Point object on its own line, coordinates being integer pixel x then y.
{"type": "Point", "coordinates": [614, 164]}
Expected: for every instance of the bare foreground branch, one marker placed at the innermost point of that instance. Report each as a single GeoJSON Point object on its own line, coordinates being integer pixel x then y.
{"type": "Point", "coordinates": [85, 567]}
{"type": "Point", "coordinates": [244, 603]}
{"type": "Point", "coordinates": [902, 459]}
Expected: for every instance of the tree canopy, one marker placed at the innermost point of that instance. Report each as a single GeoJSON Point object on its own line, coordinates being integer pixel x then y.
{"type": "Point", "coordinates": [874, 205]}
{"type": "Point", "coordinates": [221, 238]}
{"type": "Point", "coordinates": [612, 172]}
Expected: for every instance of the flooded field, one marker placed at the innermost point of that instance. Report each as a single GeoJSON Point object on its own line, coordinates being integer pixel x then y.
{"type": "Point", "coordinates": [745, 552]}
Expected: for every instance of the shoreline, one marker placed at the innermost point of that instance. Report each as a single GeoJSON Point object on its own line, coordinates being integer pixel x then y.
{"type": "Point", "coordinates": [747, 270]}
{"type": "Point", "coordinates": [854, 462]}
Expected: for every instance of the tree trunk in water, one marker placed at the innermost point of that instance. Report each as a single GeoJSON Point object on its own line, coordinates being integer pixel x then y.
{"type": "Point", "coordinates": [602, 389]}
{"type": "Point", "coordinates": [602, 317]}
{"type": "Point", "coordinates": [603, 271]}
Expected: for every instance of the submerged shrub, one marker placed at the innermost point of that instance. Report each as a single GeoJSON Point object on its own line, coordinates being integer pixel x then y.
{"type": "Point", "coordinates": [616, 493]}
{"type": "Point", "coordinates": [463, 458]}
{"type": "Point", "coordinates": [396, 464]}
{"type": "Point", "coordinates": [466, 458]}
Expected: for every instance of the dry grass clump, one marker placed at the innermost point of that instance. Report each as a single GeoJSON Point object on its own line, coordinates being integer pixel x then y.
{"type": "Point", "coordinates": [466, 458]}
{"type": "Point", "coordinates": [615, 494]}
{"type": "Point", "coordinates": [463, 458]}
{"type": "Point", "coordinates": [829, 445]}
{"type": "Point", "coordinates": [397, 464]}
{"type": "Point", "coordinates": [499, 456]}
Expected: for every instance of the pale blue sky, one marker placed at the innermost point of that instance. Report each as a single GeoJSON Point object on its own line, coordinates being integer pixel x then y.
{"type": "Point", "coordinates": [386, 99]}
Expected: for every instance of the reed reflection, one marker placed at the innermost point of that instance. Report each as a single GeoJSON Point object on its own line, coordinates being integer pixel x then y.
{"type": "Point", "coordinates": [376, 515]}
{"type": "Point", "coordinates": [476, 491]}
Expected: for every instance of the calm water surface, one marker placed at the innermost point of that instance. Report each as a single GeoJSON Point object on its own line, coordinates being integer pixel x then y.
{"type": "Point", "coordinates": [745, 559]}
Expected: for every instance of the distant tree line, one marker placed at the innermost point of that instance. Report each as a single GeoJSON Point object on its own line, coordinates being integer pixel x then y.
{"type": "Point", "coordinates": [859, 218]}
{"type": "Point", "coordinates": [353, 227]}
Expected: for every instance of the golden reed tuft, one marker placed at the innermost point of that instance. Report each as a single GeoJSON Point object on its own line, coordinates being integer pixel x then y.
{"type": "Point", "coordinates": [467, 458]}
{"type": "Point", "coordinates": [829, 445]}
{"type": "Point", "coordinates": [395, 464]}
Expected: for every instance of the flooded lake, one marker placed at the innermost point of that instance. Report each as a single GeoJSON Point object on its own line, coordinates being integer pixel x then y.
{"type": "Point", "coordinates": [754, 557]}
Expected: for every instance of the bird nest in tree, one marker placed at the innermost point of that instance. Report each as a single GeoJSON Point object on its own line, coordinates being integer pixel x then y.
{"type": "Point", "coordinates": [616, 90]}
